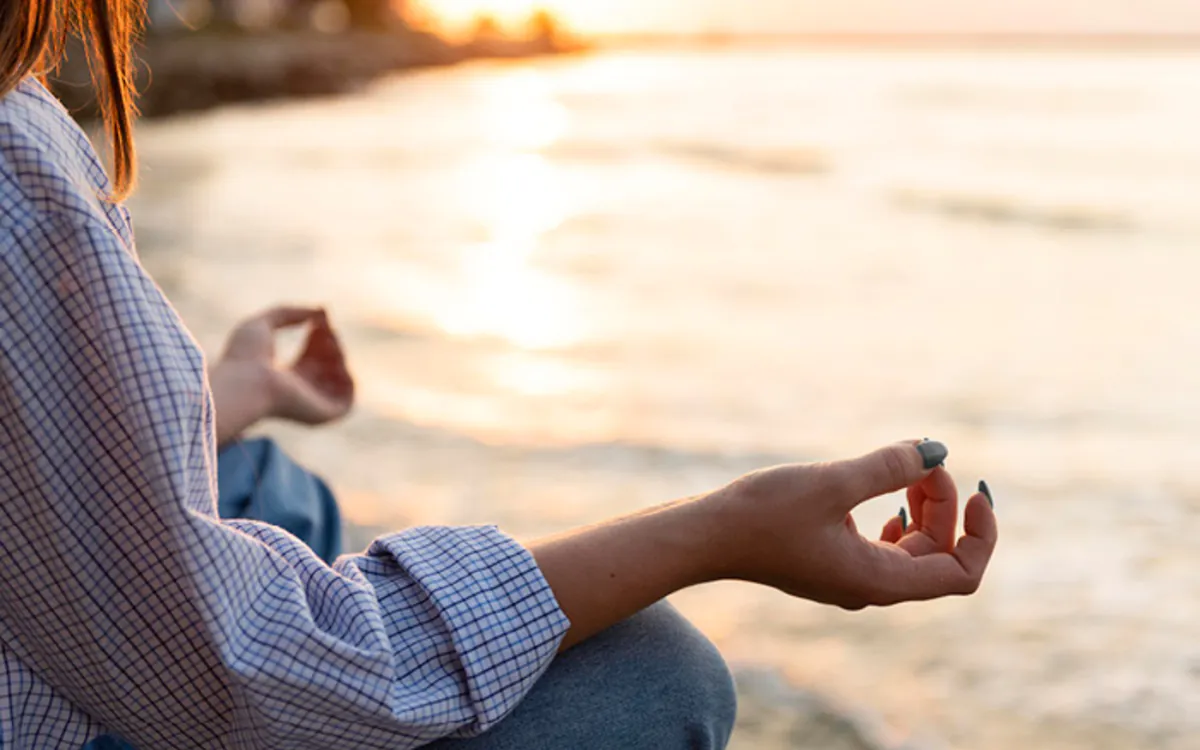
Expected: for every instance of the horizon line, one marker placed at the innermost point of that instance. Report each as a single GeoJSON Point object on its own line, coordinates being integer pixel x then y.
{"type": "Point", "coordinates": [882, 38]}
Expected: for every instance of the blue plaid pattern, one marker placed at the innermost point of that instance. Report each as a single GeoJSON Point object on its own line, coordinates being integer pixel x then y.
{"type": "Point", "coordinates": [127, 608]}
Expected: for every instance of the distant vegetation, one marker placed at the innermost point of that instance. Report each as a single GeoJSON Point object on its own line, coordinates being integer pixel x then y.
{"type": "Point", "coordinates": [200, 53]}
{"type": "Point", "coordinates": [328, 16]}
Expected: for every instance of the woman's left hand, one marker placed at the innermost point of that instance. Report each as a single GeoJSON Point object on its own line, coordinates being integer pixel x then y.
{"type": "Point", "coordinates": [248, 385]}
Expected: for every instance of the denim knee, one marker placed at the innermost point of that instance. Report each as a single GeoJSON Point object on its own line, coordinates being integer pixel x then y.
{"type": "Point", "coordinates": [685, 678]}
{"type": "Point", "coordinates": [652, 681]}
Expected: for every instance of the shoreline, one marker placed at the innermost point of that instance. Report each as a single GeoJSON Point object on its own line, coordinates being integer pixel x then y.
{"type": "Point", "coordinates": [189, 72]}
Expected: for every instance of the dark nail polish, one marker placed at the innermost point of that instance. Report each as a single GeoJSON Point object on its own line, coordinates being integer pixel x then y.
{"type": "Point", "coordinates": [932, 452]}
{"type": "Point", "coordinates": [986, 492]}
{"type": "Point", "coordinates": [903, 519]}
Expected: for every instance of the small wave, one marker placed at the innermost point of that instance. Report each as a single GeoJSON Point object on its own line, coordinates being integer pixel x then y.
{"type": "Point", "coordinates": [589, 151]}
{"type": "Point", "coordinates": [374, 425]}
{"type": "Point", "coordinates": [804, 162]}
{"type": "Point", "coordinates": [999, 209]}
{"type": "Point", "coordinates": [774, 714]}
{"type": "Point", "coordinates": [777, 162]}
{"type": "Point", "coordinates": [1039, 101]}
{"type": "Point", "coordinates": [380, 328]}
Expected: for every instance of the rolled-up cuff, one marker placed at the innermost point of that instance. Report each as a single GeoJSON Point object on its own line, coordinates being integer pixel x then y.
{"type": "Point", "coordinates": [503, 619]}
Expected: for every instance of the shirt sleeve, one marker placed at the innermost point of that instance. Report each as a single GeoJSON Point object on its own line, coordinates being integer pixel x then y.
{"type": "Point", "coordinates": [121, 588]}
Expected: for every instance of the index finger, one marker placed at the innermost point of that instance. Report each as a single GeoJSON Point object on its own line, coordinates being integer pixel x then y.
{"type": "Point", "coordinates": [933, 505]}
{"type": "Point", "coordinates": [899, 577]}
{"type": "Point", "coordinates": [285, 316]}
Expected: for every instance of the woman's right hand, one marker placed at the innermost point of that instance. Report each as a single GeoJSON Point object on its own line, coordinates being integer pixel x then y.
{"type": "Point", "coordinates": [787, 527]}
{"type": "Point", "coordinates": [249, 385]}
{"type": "Point", "coordinates": [790, 527]}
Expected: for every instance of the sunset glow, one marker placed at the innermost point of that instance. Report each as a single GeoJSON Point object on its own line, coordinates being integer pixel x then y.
{"type": "Point", "coordinates": [584, 15]}
{"type": "Point", "coordinates": [515, 195]}
{"type": "Point", "coordinates": [797, 16]}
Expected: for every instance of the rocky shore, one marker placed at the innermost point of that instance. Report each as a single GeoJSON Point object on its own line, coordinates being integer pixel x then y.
{"type": "Point", "coordinates": [193, 71]}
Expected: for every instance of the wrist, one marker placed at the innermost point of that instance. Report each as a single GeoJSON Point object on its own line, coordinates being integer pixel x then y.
{"type": "Point", "coordinates": [242, 395]}
{"type": "Point", "coordinates": [715, 533]}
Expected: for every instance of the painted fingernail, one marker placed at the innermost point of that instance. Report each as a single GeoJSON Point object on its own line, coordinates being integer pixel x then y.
{"type": "Point", "coordinates": [903, 519]}
{"type": "Point", "coordinates": [932, 453]}
{"type": "Point", "coordinates": [986, 492]}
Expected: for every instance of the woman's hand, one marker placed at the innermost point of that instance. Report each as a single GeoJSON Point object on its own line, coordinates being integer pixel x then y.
{"type": "Point", "coordinates": [248, 385]}
{"type": "Point", "coordinates": [787, 527]}
{"type": "Point", "coordinates": [790, 527]}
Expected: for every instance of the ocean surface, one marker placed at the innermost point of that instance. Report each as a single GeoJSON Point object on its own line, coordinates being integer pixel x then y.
{"type": "Point", "coordinates": [576, 287]}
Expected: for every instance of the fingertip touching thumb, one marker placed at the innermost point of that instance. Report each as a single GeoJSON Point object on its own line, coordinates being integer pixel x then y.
{"type": "Point", "coordinates": [932, 453]}
{"type": "Point", "coordinates": [894, 467]}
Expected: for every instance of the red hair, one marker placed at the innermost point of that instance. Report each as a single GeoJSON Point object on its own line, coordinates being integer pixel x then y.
{"type": "Point", "coordinates": [33, 35]}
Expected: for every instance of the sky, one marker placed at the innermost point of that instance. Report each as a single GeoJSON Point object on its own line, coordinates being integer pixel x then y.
{"type": "Point", "coordinates": [798, 16]}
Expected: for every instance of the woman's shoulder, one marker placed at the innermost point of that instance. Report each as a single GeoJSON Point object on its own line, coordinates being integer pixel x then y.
{"type": "Point", "coordinates": [47, 163]}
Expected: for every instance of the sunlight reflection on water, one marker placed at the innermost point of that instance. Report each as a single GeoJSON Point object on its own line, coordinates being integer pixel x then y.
{"type": "Point", "coordinates": [578, 287]}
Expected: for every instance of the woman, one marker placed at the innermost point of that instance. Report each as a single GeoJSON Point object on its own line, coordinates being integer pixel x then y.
{"type": "Point", "coordinates": [129, 613]}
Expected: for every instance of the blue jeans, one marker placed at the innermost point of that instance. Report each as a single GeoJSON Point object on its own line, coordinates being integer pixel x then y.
{"type": "Point", "coordinates": [256, 480]}
{"type": "Point", "coordinates": [652, 681]}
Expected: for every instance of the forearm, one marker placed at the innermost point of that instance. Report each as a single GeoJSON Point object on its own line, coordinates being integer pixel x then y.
{"type": "Point", "coordinates": [605, 573]}
{"type": "Point", "coordinates": [241, 397]}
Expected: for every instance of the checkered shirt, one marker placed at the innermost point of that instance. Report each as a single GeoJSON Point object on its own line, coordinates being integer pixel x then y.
{"type": "Point", "coordinates": [126, 606]}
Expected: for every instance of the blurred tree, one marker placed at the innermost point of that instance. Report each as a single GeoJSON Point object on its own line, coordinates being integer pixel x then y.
{"type": "Point", "coordinates": [544, 27]}
{"type": "Point", "coordinates": [375, 14]}
{"type": "Point", "coordinates": [326, 16]}
{"type": "Point", "coordinates": [486, 28]}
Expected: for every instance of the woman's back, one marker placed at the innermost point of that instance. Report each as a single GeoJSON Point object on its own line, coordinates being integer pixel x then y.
{"type": "Point", "coordinates": [120, 587]}
{"type": "Point", "coordinates": [72, 415]}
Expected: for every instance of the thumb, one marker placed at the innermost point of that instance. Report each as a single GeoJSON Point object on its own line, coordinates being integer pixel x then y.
{"type": "Point", "coordinates": [889, 469]}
